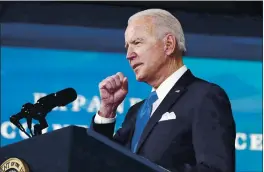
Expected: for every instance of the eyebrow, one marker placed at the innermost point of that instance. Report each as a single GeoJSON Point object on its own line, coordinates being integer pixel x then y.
{"type": "Point", "coordinates": [137, 39]}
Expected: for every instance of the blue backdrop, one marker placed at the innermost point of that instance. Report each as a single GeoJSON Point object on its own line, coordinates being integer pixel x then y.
{"type": "Point", "coordinates": [29, 73]}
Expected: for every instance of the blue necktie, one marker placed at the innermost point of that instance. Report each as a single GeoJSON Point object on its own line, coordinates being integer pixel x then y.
{"type": "Point", "coordinates": [142, 119]}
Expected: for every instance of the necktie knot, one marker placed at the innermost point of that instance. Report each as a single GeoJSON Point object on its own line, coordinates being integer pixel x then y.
{"type": "Point", "coordinates": [152, 98]}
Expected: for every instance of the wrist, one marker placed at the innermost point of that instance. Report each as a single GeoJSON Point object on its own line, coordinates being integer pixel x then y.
{"type": "Point", "coordinates": [107, 112]}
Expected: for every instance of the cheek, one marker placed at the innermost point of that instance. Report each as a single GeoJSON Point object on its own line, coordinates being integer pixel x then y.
{"type": "Point", "coordinates": [145, 51]}
{"type": "Point", "coordinates": [141, 50]}
{"type": "Point", "coordinates": [150, 55]}
{"type": "Point", "coordinates": [156, 59]}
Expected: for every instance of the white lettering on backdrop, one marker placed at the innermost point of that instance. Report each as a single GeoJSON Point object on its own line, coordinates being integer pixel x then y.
{"type": "Point", "coordinates": [82, 103]}
{"type": "Point", "coordinates": [250, 141]}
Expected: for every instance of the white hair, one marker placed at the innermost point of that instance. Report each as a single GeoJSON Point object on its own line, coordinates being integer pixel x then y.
{"type": "Point", "coordinates": [166, 22]}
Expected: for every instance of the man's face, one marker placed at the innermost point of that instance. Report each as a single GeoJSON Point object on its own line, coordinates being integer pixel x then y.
{"type": "Point", "coordinates": [145, 52]}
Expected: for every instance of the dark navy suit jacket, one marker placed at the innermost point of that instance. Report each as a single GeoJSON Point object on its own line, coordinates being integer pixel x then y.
{"type": "Point", "coordinates": [200, 139]}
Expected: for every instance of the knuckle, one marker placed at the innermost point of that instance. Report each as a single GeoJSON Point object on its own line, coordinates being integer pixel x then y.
{"type": "Point", "coordinates": [111, 81]}
{"type": "Point", "coordinates": [118, 73]}
{"type": "Point", "coordinates": [119, 77]}
{"type": "Point", "coordinates": [101, 84]}
{"type": "Point", "coordinates": [108, 86]}
{"type": "Point", "coordinates": [117, 80]}
{"type": "Point", "coordinates": [111, 84]}
{"type": "Point", "coordinates": [106, 79]}
{"type": "Point", "coordinates": [111, 78]}
{"type": "Point", "coordinates": [107, 82]}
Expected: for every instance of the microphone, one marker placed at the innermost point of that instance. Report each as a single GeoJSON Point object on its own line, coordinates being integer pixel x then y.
{"type": "Point", "coordinates": [15, 120]}
{"type": "Point", "coordinates": [45, 104]}
{"type": "Point", "coordinates": [60, 98]}
{"type": "Point", "coordinates": [24, 113]}
{"type": "Point", "coordinates": [39, 110]}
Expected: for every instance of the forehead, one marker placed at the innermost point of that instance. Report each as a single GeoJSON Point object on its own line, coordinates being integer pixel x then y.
{"type": "Point", "coordinates": [139, 27]}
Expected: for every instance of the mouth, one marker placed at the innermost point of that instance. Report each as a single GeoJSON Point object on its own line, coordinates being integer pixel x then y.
{"type": "Point", "coordinates": [136, 65]}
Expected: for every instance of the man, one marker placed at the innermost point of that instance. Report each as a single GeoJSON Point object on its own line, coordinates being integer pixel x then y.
{"type": "Point", "coordinates": [186, 123]}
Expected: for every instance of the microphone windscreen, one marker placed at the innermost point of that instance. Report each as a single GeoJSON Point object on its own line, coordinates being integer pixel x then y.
{"type": "Point", "coordinates": [65, 96]}
{"type": "Point", "coordinates": [60, 98]}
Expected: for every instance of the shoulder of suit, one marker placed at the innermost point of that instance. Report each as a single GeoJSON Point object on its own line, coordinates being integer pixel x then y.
{"type": "Point", "coordinates": [204, 83]}
{"type": "Point", "coordinates": [210, 86]}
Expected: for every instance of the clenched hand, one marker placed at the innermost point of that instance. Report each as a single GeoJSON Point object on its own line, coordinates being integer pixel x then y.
{"type": "Point", "coordinates": [113, 91]}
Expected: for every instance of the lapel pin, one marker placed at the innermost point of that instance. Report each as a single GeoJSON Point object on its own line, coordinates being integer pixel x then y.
{"type": "Point", "coordinates": [177, 91]}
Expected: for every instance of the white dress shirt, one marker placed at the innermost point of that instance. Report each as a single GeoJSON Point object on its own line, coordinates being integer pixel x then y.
{"type": "Point", "coordinates": [161, 91]}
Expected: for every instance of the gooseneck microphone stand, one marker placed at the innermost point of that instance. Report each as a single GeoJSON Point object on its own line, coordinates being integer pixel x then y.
{"type": "Point", "coordinates": [40, 109]}
{"type": "Point", "coordinates": [29, 111]}
{"type": "Point", "coordinates": [39, 113]}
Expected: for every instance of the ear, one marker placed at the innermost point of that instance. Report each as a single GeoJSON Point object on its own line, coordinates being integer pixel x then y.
{"type": "Point", "coordinates": [170, 44]}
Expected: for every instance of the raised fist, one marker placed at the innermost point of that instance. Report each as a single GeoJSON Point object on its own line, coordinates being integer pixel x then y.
{"type": "Point", "coordinates": [113, 91]}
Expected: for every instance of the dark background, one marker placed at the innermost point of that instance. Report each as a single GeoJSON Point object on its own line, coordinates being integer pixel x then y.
{"type": "Point", "coordinates": [212, 29]}
{"type": "Point", "coordinates": [222, 18]}
{"type": "Point", "coordinates": [252, 8]}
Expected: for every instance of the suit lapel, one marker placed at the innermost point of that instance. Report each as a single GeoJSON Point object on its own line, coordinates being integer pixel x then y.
{"type": "Point", "coordinates": [174, 94]}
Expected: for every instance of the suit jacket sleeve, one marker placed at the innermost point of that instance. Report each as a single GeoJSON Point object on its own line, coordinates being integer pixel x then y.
{"type": "Point", "coordinates": [123, 133]}
{"type": "Point", "coordinates": [214, 133]}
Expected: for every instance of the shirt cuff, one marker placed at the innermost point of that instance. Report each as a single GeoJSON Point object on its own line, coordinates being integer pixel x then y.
{"type": "Point", "coordinates": [101, 120]}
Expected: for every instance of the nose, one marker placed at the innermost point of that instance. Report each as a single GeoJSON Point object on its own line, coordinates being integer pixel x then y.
{"type": "Point", "coordinates": [130, 54]}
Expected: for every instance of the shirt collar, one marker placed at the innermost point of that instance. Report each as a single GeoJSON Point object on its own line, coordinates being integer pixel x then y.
{"type": "Point", "coordinates": [167, 85]}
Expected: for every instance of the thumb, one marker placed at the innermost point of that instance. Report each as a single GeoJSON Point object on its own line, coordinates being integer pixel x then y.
{"type": "Point", "coordinates": [125, 84]}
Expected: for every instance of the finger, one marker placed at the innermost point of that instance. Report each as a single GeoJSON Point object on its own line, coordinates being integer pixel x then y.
{"type": "Point", "coordinates": [125, 84]}
{"type": "Point", "coordinates": [108, 86]}
{"type": "Point", "coordinates": [104, 93]}
{"type": "Point", "coordinates": [102, 84]}
{"type": "Point", "coordinates": [112, 81]}
{"type": "Point", "coordinates": [120, 75]}
{"type": "Point", "coordinates": [117, 81]}
{"type": "Point", "coordinates": [105, 85]}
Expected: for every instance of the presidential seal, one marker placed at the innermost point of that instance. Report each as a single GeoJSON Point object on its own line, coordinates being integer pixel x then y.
{"type": "Point", "coordinates": [14, 165]}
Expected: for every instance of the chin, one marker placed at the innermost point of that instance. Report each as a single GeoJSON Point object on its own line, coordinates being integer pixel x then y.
{"type": "Point", "coordinates": [140, 78]}
{"type": "Point", "coordinates": [140, 75]}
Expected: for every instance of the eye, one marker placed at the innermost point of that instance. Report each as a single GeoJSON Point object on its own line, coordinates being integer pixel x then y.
{"type": "Point", "coordinates": [137, 42]}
